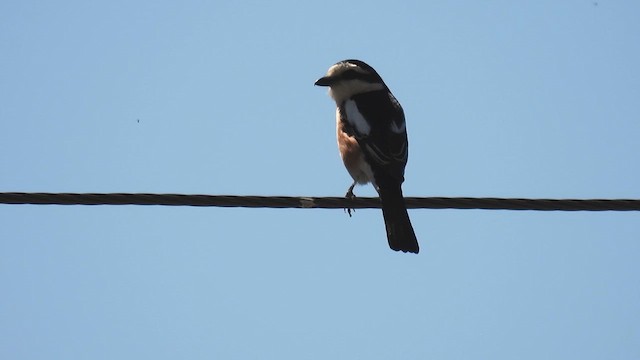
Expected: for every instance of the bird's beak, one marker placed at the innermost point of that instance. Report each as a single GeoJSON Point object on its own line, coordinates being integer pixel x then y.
{"type": "Point", "coordinates": [324, 81]}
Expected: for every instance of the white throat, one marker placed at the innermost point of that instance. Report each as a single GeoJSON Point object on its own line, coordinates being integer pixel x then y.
{"type": "Point", "coordinates": [343, 90]}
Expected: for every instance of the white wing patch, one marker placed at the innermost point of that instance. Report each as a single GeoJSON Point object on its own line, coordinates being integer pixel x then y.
{"type": "Point", "coordinates": [398, 129]}
{"type": "Point", "coordinates": [355, 118]}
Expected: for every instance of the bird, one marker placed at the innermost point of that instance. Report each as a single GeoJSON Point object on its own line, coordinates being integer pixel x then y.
{"type": "Point", "coordinates": [372, 140]}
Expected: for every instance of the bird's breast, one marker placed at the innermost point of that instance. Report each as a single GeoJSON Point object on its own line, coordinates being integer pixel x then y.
{"type": "Point", "coordinates": [351, 154]}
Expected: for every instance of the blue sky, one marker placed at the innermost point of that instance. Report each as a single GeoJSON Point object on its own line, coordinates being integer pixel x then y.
{"type": "Point", "coordinates": [502, 98]}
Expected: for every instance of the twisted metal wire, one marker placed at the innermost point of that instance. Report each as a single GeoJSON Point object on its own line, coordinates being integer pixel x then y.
{"type": "Point", "coordinates": [305, 202]}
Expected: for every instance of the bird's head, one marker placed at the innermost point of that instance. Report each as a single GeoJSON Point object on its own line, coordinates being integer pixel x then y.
{"type": "Point", "coordinates": [350, 77]}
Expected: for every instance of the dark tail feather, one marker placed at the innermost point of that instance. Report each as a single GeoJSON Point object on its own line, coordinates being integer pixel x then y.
{"type": "Point", "coordinates": [396, 219]}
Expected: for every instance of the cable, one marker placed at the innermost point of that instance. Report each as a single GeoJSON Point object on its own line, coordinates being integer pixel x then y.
{"type": "Point", "coordinates": [282, 202]}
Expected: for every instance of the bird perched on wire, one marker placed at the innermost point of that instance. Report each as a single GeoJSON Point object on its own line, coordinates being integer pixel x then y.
{"type": "Point", "coordinates": [372, 140]}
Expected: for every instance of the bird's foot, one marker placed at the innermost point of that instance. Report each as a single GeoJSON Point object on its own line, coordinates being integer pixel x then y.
{"type": "Point", "coordinates": [350, 195]}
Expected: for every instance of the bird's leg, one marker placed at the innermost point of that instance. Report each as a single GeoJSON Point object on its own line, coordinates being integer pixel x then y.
{"type": "Point", "coordinates": [350, 195]}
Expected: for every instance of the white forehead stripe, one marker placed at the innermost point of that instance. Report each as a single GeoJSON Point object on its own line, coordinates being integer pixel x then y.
{"type": "Point", "coordinates": [342, 67]}
{"type": "Point", "coordinates": [355, 118]}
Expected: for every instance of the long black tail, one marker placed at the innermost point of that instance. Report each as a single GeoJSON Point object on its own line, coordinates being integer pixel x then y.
{"type": "Point", "coordinates": [396, 219]}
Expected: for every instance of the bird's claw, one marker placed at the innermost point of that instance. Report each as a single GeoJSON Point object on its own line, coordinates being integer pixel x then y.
{"type": "Point", "coordinates": [349, 210]}
{"type": "Point", "coordinates": [350, 195]}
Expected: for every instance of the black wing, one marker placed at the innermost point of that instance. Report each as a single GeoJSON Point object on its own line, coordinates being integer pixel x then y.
{"type": "Point", "coordinates": [384, 143]}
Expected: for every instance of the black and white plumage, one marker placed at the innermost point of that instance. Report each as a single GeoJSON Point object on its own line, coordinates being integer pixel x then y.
{"type": "Point", "coordinates": [372, 140]}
